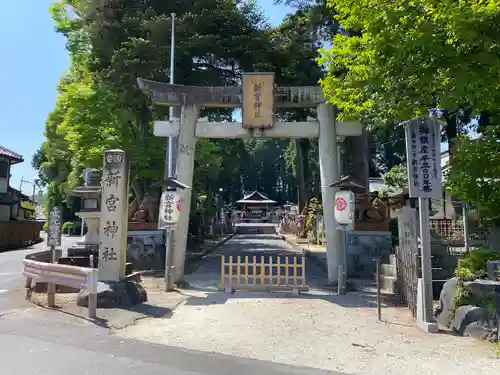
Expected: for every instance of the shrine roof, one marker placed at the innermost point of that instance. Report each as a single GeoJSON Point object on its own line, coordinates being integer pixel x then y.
{"type": "Point", "coordinates": [13, 156]}
{"type": "Point", "coordinates": [256, 198]}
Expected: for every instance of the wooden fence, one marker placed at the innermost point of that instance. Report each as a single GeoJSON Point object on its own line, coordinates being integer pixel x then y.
{"type": "Point", "coordinates": [271, 272]}
{"type": "Point", "coordinates": [408, 272]}
{"type": "Point", "coordinates": [15, 234]}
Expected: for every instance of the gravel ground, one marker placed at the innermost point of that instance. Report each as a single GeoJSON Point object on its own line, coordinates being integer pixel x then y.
{"type": "Point", "coordinates": [319, 329]}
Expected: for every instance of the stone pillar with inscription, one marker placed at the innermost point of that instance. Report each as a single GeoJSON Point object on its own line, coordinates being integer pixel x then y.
{"type": "Point", "coordinates": [184, 173]}
{"type": "Point", "coordinates": [114, 216]}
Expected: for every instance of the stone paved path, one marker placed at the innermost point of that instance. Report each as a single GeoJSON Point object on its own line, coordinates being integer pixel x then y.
{"type": "Point", "coordinates": [260, 246]}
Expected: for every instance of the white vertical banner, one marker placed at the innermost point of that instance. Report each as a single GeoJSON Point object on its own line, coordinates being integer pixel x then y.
{"type": "Point", "coordinates": [114, 216]}
{"type": "Point", "coordinates": [423, 155]}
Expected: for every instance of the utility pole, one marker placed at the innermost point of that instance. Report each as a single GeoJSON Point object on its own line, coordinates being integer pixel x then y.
{"type": "Point", "coordinates": [169, 172]}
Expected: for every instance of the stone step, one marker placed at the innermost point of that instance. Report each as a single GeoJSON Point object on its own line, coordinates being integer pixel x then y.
{"type": "Point", "coordinates": [388, 270]}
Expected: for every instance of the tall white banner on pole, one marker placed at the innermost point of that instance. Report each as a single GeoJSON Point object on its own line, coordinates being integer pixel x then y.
{"type": "Point", "coordinates": [423, 155]}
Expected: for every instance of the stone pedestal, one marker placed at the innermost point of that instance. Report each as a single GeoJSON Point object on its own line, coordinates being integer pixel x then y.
{"type": "Point", "coordinates": [92, 219]}
{"type": "Point", "coordinates": [362, 247]}
{"type": "Point", "coordinates": [115, 294]}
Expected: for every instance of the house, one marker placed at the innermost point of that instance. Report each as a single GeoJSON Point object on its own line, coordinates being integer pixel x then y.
{"type": "Point", "coordinates": [10, 198]}
{"type": "Point", "coordinates": [443, 208]}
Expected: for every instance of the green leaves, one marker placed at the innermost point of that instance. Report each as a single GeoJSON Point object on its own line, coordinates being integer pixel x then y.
{"type": "Point", "coordinates": [474, 176]}
{"type": "Point", "coordinates": [399, 58]}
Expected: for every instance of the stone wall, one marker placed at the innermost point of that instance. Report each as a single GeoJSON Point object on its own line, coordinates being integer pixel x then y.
{"type": "Point", "coordinates": [361, 249]}
{"type": "Point", "coordinates": [146, 249]}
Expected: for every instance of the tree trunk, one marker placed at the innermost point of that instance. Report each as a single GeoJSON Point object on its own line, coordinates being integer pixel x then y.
{"type": "Point", "coordinates": [355, 161]}
{"type": "Point", "coordinates": [138, 192]}
{"type": "Point", "coordinates": [302, 168]}
{"type": "Point", "coordinates": [451, 131]}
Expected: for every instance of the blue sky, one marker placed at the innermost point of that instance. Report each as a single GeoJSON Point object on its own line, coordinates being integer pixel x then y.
{"type": "Point", "coordinates": [34, 59]}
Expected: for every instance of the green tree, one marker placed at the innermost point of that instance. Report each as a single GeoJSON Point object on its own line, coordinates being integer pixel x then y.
{"type": "Point", "coordinates": [475, 172]}
{"type": "Point", "coordinates": [397, 176]}
{"type": "Point", "coordinates": [402, 58]}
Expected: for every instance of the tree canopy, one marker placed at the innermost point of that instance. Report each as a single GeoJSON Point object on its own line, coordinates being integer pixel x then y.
{"type": "Point", "coordinates": [99, 105]}
{"type": "Point", "coordinates": [474, 176]}
{"type": "Point", "coordinates": [396, 59]}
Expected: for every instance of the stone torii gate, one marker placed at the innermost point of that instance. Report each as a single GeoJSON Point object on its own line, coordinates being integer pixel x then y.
{"type": "Point", "coordinates": [259, 98]}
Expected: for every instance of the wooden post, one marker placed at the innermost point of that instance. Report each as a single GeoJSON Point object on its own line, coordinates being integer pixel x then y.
{"type": "Point", "coordinates": [379, 304]}
{"type": "Point", "coordinates": [230, 276]}
{"type": "Point", "coordinates": [254, 271]}
{"type": "Point", "coordinates": [262, 270]}
{"type": "Point", "coordinates": [270, 270]}
{"type": "Point", "coordinates": [222, 270]}
{"type": "Point", "coordinates": [246, 270]}
{"type": "Point", "coordinates": [278, 271]}
{"type": "Point", "coordinates": [238, 270]}
{"type": "Point", "coordinates": [303, 270]}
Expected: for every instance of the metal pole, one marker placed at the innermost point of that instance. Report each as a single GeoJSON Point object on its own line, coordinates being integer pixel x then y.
{"type": "Point", "coordinates": [170, 165]}
{"type": "Point", "coordinates": [342, 283]}
{"type": "Point", "coordinates": [169, 171]}
{"type": "Point", "coordinates": [466, 226]}
{"type": "Point", "coordinates": [425, 254]}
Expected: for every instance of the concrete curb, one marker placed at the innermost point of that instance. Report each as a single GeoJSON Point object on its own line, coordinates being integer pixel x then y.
{"type": "Point", "coordinates": [307, 253]}
{"type": "Point", "coordinates": [213, 247]}
{"type": "Point", "coordinates": [193, 257]}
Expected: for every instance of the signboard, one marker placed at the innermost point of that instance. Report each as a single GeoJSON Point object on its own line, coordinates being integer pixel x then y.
{"type": "Point", "coordinates": [114, 216]}
{"type": "Point", "coordinates": [407, 229]}
{"type": "Point", "coordinates": [54, 227]}
{"type": "Point", "coordinates": [170, 209]}
{"type": "Point", "coordinates": [258, 100]}
{"type": "Point", "coordinates": [344, 207]}
{"type": "Point", "coordinates": [423, 151]}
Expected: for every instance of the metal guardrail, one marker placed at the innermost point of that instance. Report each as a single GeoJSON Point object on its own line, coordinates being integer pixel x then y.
{"type": "Point", "coordinates": [271, 272]}
{"type": "Point", "coordinates": [59, 274]}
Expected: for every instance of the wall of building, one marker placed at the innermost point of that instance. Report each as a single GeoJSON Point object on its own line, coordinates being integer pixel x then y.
{"type": "Point", "coordinates": [4, 213]}
{"type": "Point", "coordinates": [4, 175]}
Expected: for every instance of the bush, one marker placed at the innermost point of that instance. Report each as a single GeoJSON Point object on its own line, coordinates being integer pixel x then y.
{"type": "Point", "coordinates": [45, 226]}
{"type": "Point", "coordinates": [68, 227]}
{"type": "Point", "coordinates": [473, 266]}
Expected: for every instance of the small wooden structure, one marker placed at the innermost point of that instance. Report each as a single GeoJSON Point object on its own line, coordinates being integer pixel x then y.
{"type": "Point", "coordinates": [270, 272]}
{"type": "Point", "coordinates": [255, 207]}
{"type": "Point", "coordinates": [371, 213]}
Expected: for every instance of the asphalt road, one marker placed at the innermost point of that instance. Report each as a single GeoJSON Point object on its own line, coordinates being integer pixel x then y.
{"type": "Point", "coordinates": [34, 341]}
{"type": "Point", "coordinates": [29, 348]}
{"type": "Point", "coordinates": [11, 280]}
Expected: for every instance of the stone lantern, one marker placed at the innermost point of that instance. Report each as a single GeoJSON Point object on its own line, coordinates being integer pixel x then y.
{"type": "Point", "coordinates": [90, 194]}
